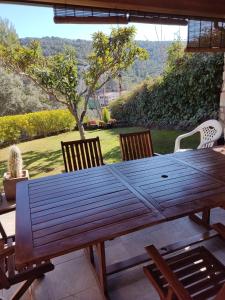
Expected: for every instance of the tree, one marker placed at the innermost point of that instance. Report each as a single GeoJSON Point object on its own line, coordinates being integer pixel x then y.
{"type": "Point", "coordinates": [68, 82]}
{"type": "Point", "coordinates": [8, 35]}
{"type": "Point", "coordinates": [17, 97]}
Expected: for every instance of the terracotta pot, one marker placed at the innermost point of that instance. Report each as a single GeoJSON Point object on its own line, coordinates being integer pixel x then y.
{"type": "Point", "coordinates": [10, 184]}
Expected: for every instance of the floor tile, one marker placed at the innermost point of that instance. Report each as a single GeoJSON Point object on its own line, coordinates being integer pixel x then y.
{"type": "Point", "coordinates": [73, 279]}
{"type": "Point", "coordinates": [89, 294]}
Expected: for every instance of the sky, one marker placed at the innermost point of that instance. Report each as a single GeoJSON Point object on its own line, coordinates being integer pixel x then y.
{"type": "Point", "coordinates": [35, 21]}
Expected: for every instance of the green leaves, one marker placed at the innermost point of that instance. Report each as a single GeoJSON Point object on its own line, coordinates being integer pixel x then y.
{"type": "Point", "coordinates": [187, 93]}
{"type": "Point", "coordinates": [112, 54]}
{"type": "Point", "coordinates": [58, 75]}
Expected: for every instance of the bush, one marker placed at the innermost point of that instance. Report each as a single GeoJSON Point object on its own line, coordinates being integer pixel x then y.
{"type": "Point", "coordinates": [32, 125]}
{"type": "Point", "coordinates": [105, 115]}
{"type": "Point", "coordinates": [187, 94]}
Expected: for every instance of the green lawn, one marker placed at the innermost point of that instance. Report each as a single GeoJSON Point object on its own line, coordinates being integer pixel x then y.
{"type": "Point", "coordinates": [43, 157]}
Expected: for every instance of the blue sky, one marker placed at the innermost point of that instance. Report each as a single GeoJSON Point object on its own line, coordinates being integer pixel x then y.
{"type": "Point", "coordinates": [35, 21]}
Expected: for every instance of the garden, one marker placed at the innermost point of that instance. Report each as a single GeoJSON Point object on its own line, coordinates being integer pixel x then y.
{"type": "Point", "coordinates": [43, 156]}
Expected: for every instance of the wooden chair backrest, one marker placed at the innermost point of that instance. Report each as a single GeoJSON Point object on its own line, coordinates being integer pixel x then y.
{"type": "Point", "coordinates": [82, 154]}
{"type": "Point", "coordinates": [136, 145]}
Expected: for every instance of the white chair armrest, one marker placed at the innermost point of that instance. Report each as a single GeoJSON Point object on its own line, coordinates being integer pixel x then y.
{"type": "Point", "coordinates": [182, 136]}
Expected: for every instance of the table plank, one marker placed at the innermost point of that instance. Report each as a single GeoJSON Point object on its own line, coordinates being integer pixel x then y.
{"type": "Point", "coordinates": [181, 185]}
{"type": "Point", "coordinates": [68, 212]}
{"type": "Point", "coordinates": [210, 161]}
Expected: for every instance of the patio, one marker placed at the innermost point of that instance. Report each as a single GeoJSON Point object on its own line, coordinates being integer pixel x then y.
{"type": "Point", "coordinates": [73, 279]}
{"type": "Point", "coordinates": [99, 207]}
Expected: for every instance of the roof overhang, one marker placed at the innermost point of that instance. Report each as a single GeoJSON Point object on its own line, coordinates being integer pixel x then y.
{"type": "Point", "coordinates": [197, 8]}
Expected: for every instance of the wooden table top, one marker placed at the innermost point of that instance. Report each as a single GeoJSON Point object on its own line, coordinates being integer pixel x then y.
{"type": "Point", "coordinates": [67, 212]}
{"type": "Point", "coordinates": [62, 213]}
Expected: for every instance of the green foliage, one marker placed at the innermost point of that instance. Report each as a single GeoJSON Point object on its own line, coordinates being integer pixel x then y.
{"type": "Point", "coordinates": [28, 126]}
{"type": "Point", "coordinates": [187, 93]}
{"type": "Point", "coordinates": [153, 66]}
{"type": "Point", "coordinates": [58, 74]}
{"type": "Point", "coordinates": [105, 115]}
{"type": "Point", "coordinates": [19, 97]}
{"type": "Point", "coordinates": [112, 54]}
{"type": "Point", "coordinates": [8, 35]}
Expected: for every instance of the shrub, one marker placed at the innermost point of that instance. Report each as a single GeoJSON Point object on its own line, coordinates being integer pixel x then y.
{"type": "Point", "coordinates": [186, 95]}
{"type": "Point", "coordinates": [38, 124]}
{"type": "Point", "coordinates": [105, 115]}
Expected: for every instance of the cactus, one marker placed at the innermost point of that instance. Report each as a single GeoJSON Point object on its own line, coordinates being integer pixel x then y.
{"type": "Point", "coordinates": [15, 162]}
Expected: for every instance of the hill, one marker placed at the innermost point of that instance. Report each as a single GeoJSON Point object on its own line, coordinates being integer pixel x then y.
{"type": "Point", "coordinates": [137, 73]}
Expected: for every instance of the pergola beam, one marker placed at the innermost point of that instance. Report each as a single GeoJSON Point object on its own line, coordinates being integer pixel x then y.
{"type": "Point", "coordinates": [197, 8]}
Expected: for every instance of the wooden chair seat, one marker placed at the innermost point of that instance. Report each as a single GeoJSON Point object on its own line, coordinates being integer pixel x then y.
{"type": "Point", "coordinates": [201, 274]}
{"type": "Point", "coordinates": [193, 274]}
{"type": "Point", "coordinates": [9, 275]}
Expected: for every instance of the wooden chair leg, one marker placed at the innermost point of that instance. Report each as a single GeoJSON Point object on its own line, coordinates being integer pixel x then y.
{"type": "Point", "coordinates": [22, 289]}
{"type": "Point", "coordinates": [2, 232]}
{"type": "Point", "coordinates": [202, 221]}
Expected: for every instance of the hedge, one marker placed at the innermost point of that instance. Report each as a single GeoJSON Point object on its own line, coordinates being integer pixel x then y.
{"type": "Point", "coordinates": [181, 98]}
{"type": "Point", "coordinates": [32, 125]}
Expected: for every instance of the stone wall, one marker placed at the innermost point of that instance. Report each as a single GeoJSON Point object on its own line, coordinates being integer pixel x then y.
{"type": "Point", "coordinates": [222, 99]}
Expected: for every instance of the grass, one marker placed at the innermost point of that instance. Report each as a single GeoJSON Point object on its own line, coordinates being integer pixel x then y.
{"type": "Point", "coordinates": [43, 157]}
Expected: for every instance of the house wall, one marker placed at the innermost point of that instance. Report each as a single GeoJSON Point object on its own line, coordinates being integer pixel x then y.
{"type": "Point", "coordinates": [222, 99]}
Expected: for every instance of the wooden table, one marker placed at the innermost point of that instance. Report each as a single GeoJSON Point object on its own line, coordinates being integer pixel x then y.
{"type": "Point", "coordinates": [67, 212]}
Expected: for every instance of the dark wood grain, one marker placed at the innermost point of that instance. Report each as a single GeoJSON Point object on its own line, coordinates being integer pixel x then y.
{"type": "Point", "coordinates": [202, 8]}
{"type": "Point", "coordinates": [177, 184]}
{"type": "Point", "coordinates": [191, 274]}
{"type": "Point", "coordinates": [82, 154]}
{"type": "Point", "coordinates": [75, 210]}
{"type": "Point", "coordinates": [136, 145]}
{"type": "Point", "coordinates": [67, 212]}
{"type": "Point", "coordinates": [194, 274]}
{"type": "Point", "coordinates": [10, 275]}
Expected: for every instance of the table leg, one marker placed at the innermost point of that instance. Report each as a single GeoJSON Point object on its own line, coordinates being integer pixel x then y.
{"type": "Point", "coordinates": [90, 254]}
{"type": "Point", "coordinates": [100, 247]}
{"type": "Point", "coordinates": [204, 220]}
{"type": "Point", "coordinates": [97, 262]}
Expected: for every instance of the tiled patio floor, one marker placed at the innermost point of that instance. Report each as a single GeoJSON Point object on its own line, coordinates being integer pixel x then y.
{"type": "Point", "coordinates": [72, 278]}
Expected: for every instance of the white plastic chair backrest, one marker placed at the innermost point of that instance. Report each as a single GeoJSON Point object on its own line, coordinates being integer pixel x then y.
{"type": "Point", "coordinates": [210, 132]}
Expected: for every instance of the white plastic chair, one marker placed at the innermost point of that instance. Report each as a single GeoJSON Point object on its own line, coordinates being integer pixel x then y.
{"type": "Point", "coordinates": [210, 132]}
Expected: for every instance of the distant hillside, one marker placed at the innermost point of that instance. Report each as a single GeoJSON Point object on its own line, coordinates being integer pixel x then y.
{"type": "Point", "coordinates": [138, 72]}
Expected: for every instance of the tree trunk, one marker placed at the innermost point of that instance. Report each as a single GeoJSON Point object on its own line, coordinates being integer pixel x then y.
{"type": "Point", "coordinates": [81, 130]}
{"type": "Point", "coordinates": [79, 123]}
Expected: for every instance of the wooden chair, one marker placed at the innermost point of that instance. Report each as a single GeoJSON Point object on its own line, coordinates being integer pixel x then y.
{"type": "Point", "coordinates": [194, 274]}
{"type": "Point", "coordinates": [9, 275]}
{"type": "Point", "coordinates": [82, 154]}
{"type": "Point", "coordinates": [136, 145]}
{"type": "Point", "coordinates": [5, 207]}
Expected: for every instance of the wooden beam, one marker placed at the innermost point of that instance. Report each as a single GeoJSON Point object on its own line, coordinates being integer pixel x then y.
{"type": "Point", "coordinates": [210, 50]}
{"type": "Point", "coordinates": [161, 21]}
{"type": "Point", "coordinates": [198, 8]}
{"type": "Point", "coordinates": [90, 20]}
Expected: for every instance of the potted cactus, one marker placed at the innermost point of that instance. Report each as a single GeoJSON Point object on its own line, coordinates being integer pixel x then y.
{"type": "Point", "coordinates": [14, 174]}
